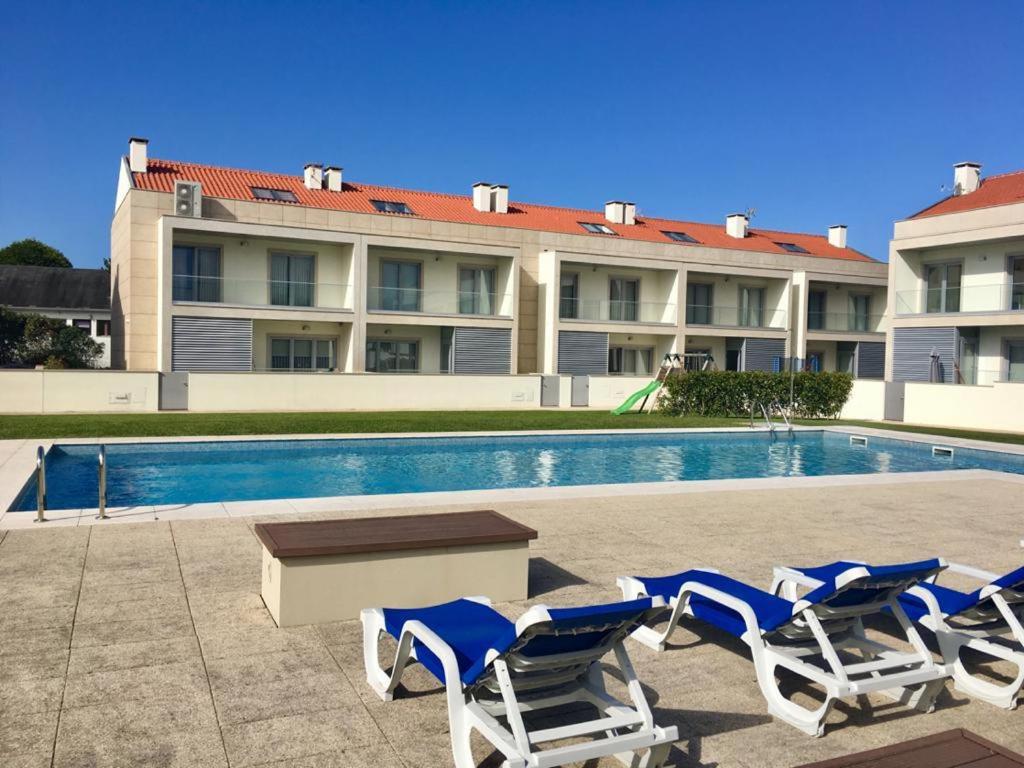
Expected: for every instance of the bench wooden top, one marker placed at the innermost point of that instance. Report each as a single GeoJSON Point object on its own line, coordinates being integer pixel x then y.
{"type": "Point", "coordinates": [389, 534]}
{"type": "Point", "coordinates": [950, 749]}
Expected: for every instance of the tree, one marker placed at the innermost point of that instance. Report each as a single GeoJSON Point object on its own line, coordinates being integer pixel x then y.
{"type": "Point", "coordinates": [51, 342]}
{"type": "Point", "coordinates": [31, 252]}
{"type": "Point", "coordinates": [12, 328]}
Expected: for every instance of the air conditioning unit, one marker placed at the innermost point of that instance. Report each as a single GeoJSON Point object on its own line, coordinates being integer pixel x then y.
{"type": "Point", "coordinates": [188, 198]}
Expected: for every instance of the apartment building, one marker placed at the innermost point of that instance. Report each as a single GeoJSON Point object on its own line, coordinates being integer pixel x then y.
{"type": "Point", "coordinates": [956, 277]}
{"type": "Point", "coordinates": [218, 269]}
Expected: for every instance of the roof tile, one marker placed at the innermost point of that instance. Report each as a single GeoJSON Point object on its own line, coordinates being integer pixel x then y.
{"type": "Point", "coordinates": [1003, 189]}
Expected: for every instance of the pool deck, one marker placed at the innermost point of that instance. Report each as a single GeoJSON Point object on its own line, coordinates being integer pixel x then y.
{"type": "Point", "coordinates": [149, 644]}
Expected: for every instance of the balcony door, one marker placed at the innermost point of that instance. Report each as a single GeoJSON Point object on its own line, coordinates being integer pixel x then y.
{"type": "Point", "coordinates": [1017, 282]}
{"type": "Point", "coordinates": [292, 279]}
{"type": "Point", "coordinates": [699, 303]}
{"type": "Point", "coordinates": [942, 291]}
{"type": "Point", "coordinates": [752, 307]}
{"type": "Point", "coordinates": [623, 298]}
{"type": "Point", "coordinates": [197, 274]}
{"type": "Point", "coordinates": [1015, 360]}
{"type": "Point", "coordinates": [569, 296]}
{"type": "Point", "coordinates": [860, 311]}
{"type": "Point", "coordinates": [476, 290]}
{"type": "Point", "coordinates": [816, 310]}
{"type": "Point", "coordinates": [400, 284]}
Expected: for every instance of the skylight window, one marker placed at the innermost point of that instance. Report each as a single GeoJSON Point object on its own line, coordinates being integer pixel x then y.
{"type": "Point", "coordinates": [597, 229]}
{"type": "Point", "coordinates": [388, 206]}
{"type": "Point", "coordinates": [792, 248]}
{"type": "Point", "coordinates": [279, 195]}
{"type": "Point", "coordinates": [680, 237]}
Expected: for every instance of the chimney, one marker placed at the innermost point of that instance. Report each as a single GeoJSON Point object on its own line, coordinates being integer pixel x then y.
{"type": "Point", "coordinates": [490, 198]}
{"type": "Point", "coordinates": [837, 235]}
{"type": "Point", "coordinates": [314, 176]}
{"type": "Point", "coordinates": [966, 178]}
{"type": "Point", "coordinates": [332, 175]}
{"type": "Point", "coordinates": [137, 154]}
{"type": "Point", "coordinates": [619, 212]}
{"type": "Point", "coordinates": [736, 225]}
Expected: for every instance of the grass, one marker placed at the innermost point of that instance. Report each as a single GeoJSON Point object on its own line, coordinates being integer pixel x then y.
{"type": "Point", "coordinates": [196, 424]}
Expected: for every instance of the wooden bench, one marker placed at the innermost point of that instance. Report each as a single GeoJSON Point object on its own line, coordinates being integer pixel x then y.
{"type": "Point", "coordinates": [329, 570]}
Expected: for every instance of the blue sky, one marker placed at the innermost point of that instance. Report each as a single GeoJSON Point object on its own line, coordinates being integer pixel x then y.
{"type": "Point", "coordinates": [811, 113]}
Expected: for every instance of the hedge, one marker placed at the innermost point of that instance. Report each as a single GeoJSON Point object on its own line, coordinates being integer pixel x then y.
{"type": "Point", "coordinates": [730, 393]}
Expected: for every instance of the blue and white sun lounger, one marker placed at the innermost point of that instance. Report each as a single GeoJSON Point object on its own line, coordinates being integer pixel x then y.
{"type": "Point", "coordinates": [987, 620]}
{"type": "Point", "coordinates": [495, 670]}
{"type": "Point", "coordinates": [811, 637]}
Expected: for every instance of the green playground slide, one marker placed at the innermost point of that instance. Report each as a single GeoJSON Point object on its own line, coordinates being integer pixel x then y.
{"type": "Point", "coordinates": [654, 386]}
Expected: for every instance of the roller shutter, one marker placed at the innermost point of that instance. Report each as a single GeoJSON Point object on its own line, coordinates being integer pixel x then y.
{"type": "Point", "coordinates": [871, 360]}
{"type": "Point", "coordinates": [761, 354]}
{"type": "Point", "coordinates": [911, 352]}
{"type": "Point", "coordinates": [582, 353]}
{"type": "Point", "coordinates": [482, 350]}
{"type": "Point", "coordinates": [211, 344]}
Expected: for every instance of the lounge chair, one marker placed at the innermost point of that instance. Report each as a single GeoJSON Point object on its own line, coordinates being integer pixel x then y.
{"type": "Point", "coordinates": [810, 636]}
{"type": "Point", "coordinates": [495, 670]}
{"type": "Point", "coordinates": [987, 620]}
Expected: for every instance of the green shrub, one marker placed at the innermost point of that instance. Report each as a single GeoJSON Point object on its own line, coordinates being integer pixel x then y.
{"type": "Point", "coordinates": [731, 393]}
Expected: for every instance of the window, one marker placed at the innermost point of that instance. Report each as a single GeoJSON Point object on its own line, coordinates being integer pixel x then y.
{"type": "Point", "coordinates": [569, 296]}
{"type": "Point", "coordinates": [699, 303]}
{"type": "Point", "coordinates": [392, 356]}
{"type": "Point", "coordinates": [388, 206]}
{"type": "Point", "coordinates": [82, 324]}
{"type": "Point", "coordinates": [102, 327]}
{"type": "Point", "coordinates": [476, 290]}
{"type": "Point", "coordinates": [816, 301]}
{"type": "Point", "coordinates": [292, 280]}
{"type": "Point", "coordinates": [860, 311]}
{"type": "Point", "coordinates": [814, 362]}
{"type": "Point", "coordinates": [1017, 282]}
{"type": "Point", "coordinates": [197, 275]}
{"type": "Point", "coordinates": [447, 349]}
{"type": "Point", "coordinates": [630, 361]}
{"type": "Point", "coordinates": [792, 247]}
{"type": "Point", "coordinates": [752, 307]}
{"type": "Point", "coordinates": [623, 296]}
{"type": "Point", "coordinates": [680, 237]}
{"type": "Point", "coordinates": [302, 354]}
{"type": "Point", "coordinates": [942, 291]}
{"type": "Point", "coordinates": [277, 195]}
{"type": "Point", "coordinates": [400, 283]}
{"type": "Point", "coordinates": [597, 229]}
{"type": "Point", "coordinates": [1015, 360]}
{"type": "Point", "coordinates": [696, 359]}
{"type": "Point", "coordinates": [967, 359]}
{"type": "Point", "coordinates": [846, 357]}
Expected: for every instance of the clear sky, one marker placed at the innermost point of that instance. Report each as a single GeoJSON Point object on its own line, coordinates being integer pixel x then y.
{"type": "Point", "coordinates": [813, 113]}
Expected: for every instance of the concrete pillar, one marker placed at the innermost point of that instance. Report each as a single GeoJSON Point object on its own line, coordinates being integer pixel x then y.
{"type": "Point", "coordinates": [797, 336]}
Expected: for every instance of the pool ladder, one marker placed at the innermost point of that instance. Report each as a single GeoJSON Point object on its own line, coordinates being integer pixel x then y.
{"type": "Point", "coordinates": [775, 404]}
{"type": "Point", "coordinates": [41, 484]}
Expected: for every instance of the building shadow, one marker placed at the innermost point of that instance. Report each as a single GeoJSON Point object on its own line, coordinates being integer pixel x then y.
{"type": "Point", "coordinates": [545, 576]}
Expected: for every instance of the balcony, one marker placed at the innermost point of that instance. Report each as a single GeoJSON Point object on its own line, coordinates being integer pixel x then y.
{"type": "Point", "coordinates": [735, 317]}
{"type": "Point", "coordinates": [996, 297]}
{"type": "Point", "coordinates": [283, 294]}
{"type": "Point", "coordinates": [617, 311]}
{"type": "Point", "coordinates": [419, 301]}
{"type": "Point", "coordinates": [851, 322]}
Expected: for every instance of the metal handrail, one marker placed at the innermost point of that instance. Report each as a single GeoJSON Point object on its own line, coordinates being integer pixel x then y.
{"type": "Point", "coordinates": [754, 405]}
{"type": "Point", "coordinates": [103, 483]}
{"type": "Point", "coordinates": [778, 405]}
{"type": "Point", "coordinates": [40, 485]}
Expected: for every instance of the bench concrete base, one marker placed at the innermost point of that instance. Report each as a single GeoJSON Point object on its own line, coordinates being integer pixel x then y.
{"type": "Point", "coordinates": [311, 590]}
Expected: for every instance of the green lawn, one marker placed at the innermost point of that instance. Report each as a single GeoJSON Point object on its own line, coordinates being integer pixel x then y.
{"type": "Point", "coordinates": [175, 424]}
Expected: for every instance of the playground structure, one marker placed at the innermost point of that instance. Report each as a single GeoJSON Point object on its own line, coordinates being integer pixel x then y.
{"type": "Point", "coordinates": [674, 364]}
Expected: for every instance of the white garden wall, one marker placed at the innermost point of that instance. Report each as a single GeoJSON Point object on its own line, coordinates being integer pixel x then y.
{"type": "Point", "coordinates": [867, 401]}
{"type": "Point", "coordinates": [50, 391]}
{"type": "Point", "coordinates": [999, 407]}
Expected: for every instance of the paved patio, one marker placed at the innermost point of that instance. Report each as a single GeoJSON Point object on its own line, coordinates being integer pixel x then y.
{"type": "Point", "coordinates": [148, 643]}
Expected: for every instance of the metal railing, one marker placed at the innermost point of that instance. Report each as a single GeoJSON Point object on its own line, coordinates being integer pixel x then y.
{"type": "Point", "coordinates": [102, 458]}
{"type": "Point", "coordinates": [419, 301]}
{"type": "Point", "coordinates": [40, 485]}
{"type": "Point", "coordinates": [617, 311]}
{"type": "Point", "coordinates": [754, 405]}
{"type": "Point", "coordinates": [260, 292]}
{"type": "Point", "coordinates": [785, 419]}
{"type": "Point", "coordinates": [735, 317]}
{"type": "Point", "coordinates": [993, 297]}
{"type": "Point", "coordinates": [843, 321]}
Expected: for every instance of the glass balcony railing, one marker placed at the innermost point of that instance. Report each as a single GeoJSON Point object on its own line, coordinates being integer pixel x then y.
{"type": "Point", "coordinates": [843, 321]}
{"type": "Point", "coordinates": [260, 293]}
{"type": "Point", "coordinates": [996, 297]}
{"type": "Point", "coordinates": [418, 301]}
{"type": "Point", "coordinates": [616, 311]}
{"type": "Point", "coordinates": [735, 317]}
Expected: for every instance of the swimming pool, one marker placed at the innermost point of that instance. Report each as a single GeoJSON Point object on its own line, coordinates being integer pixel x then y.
{"type": "Point", "coordinates": [195, 472]}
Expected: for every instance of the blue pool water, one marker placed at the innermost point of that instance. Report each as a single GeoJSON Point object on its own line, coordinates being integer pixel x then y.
{"type": "Point", "coordinates": [182, 473]}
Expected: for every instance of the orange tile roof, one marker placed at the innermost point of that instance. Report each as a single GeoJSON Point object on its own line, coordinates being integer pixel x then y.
{"type": "Point", "coordinates": [237, 185]}
{"type": "Point", "coordinates": [1003, 189]}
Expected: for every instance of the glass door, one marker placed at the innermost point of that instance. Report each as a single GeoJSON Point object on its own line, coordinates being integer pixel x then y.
{"type": "Point", "coordinates": [860, 309]}
{"type": "Point", "coordinates": [569, 296]}
{"type": "Point", "coordinates": [942, 292]}
{"type": "Point", "coordinates": [699, 304]}
{"type": "Point", "coordinates": [1015, 360]}
{"type": "Point", "coordinates": [752, 307]}
{"type": "Point", "coordinates": [622, 299]}
{"type": "Point", "coordinates": [400, 283]}
{"type": "Point", "coordinates": [816, 310]}
{"type": "Point", "coordinates": [1017, 282]}
{"type": "Point", "coordinates": [968, 357]}
{"type": "Point", "coordinates": [476, 291]}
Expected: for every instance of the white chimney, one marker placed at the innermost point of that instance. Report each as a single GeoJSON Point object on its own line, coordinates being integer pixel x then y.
{"type": "Point", "coordinates": [966, 178]}
{"type": "Point", "coordinates": [332, 177]}
{"type": "Point", "coordinates": [137, 154]}
{"type": "Point", "coordinates": [499, 198]}
{"type": "Point", "coordinates": [314, 176]}
{"type": "Point", "coordinates": [837, 235]}
{"type": "Point", "coordinates": [736, 225]}
{"type": "Point", "coordinates": [619, 212]}
{"type": "Point", "coordinates": [482, 196]}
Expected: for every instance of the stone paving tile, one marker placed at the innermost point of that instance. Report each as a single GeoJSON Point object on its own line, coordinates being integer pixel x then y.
{"type": "Point", "coordinates": [374, 756]}
{"type": "Point", "coordinates": [220, 642]}
{"type": "Point", "coordinates": [127, 631]}
{"type": "Point", "coordinates": [29, 736]}
{"type": "Point", "coordinates": [143, 653]}
{"type": "Point", "coordinates": [28, 696]}
{"type": "Point", "coordinates": [178, 681]}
